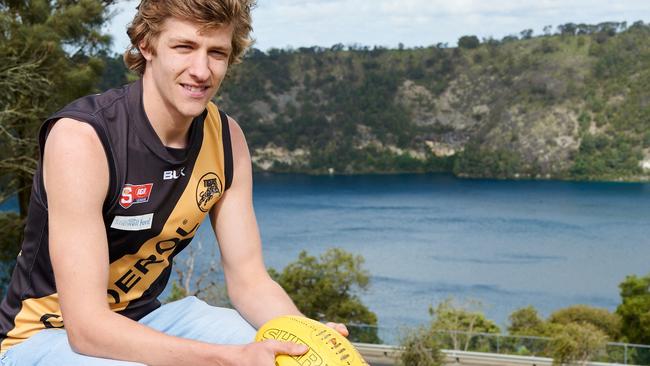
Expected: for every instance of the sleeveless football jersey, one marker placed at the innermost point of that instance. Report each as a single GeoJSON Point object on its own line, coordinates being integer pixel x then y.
{"type": "Point", "coordinates": [156, 200]}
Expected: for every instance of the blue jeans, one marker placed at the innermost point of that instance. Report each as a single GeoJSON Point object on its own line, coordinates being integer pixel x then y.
{"type": "Point", "coordinates": [188, 318]}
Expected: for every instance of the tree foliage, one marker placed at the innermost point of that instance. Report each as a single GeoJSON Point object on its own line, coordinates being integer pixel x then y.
{"type": "Point", "coordinates": [577, 333]}
{"type": "Point", "coordinates": [605, 321]}
{"type": "Point", "coordinates": [475, 161]}
{"type": "Point", "coordinates": [526, 322]}
{"type": "Point", "coordinates": [635, 309]}
{"type": "Point", "coordinates": [420, 348]}
{"type": "Point", "coordinates": [469, 42]}
{"type": "Point", "coordinates": [576, 344]}
{"type": "Point", "coordinates": [454, 324]}
{"type": "Point", "coordinates": [48, 57]}
{"type": "Point", "coordinates": [325, 288]}
{"type": "Point", "coordinates": [48, 53]}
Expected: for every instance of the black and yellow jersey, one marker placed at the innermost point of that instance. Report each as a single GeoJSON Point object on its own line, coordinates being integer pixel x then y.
{"type": "Point", "coordinates": [156, 200]}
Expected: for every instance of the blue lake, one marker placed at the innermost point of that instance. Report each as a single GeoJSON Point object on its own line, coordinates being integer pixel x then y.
{"type": "Point", "coordinates": [507, 244]}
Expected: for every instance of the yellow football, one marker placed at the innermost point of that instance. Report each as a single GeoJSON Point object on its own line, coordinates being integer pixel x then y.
{"type": "Point", "coordinates": [326, 346]}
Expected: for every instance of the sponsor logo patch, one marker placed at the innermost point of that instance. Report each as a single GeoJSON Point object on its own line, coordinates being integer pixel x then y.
{"type": "Point", "coordinates": [135, 193]}
{"type": "Point", "coordinates": [133, 223]}
{"type": "Point", "coordinates": [208, 191]}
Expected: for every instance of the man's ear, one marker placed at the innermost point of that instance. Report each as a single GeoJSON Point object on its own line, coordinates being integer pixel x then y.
{"type": "Point", "coordinates": [145, 51]}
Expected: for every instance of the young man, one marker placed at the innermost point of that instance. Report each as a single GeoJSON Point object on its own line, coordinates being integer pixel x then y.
{"type": "Point", "coordinates": [126, 178]}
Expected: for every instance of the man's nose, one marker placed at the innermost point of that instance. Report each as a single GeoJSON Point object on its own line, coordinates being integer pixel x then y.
{"type": "Point", "coordinates": [200, 67]}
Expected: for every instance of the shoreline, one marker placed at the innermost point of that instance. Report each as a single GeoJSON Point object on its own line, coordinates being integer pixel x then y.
{"type": "Point", "coordinates": [522, 178]}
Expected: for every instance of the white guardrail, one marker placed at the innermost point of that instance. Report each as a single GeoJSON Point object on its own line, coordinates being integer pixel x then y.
{"type": "Point", "coordinates": [383, 355]}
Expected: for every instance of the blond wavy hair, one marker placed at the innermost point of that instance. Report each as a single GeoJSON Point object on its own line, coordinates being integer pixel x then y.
{"type": "Point", "coordinates": [147, 24]}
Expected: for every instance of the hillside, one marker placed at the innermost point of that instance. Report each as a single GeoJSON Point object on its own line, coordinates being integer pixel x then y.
{"type": "Point", "coordinates": [569, 105]}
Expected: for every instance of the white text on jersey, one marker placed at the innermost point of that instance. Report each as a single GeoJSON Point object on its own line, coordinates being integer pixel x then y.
{"type": "Point", "coordinates": [174, 174]}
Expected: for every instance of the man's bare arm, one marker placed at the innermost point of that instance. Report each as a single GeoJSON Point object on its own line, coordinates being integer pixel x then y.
{"type": "Point", "coordinates": [253, 293]}
{"type": "Point", "coordinates": [76, 178]}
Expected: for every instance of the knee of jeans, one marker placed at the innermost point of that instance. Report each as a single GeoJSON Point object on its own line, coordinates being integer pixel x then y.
{"type": "Point", "coordinates": [188, 302]}
{"type": "Point", "coordinates": [190, 299]}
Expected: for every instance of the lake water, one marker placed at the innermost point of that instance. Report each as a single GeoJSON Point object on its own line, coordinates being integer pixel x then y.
{"type": "Point", "coordinates": [507, 244]}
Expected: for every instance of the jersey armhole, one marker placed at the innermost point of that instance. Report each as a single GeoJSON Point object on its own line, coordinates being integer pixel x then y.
{"type": "Point", "coordinates": [227, 148]}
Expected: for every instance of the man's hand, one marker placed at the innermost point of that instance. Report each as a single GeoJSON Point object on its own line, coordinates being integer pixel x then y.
{"type": "Point", "coordinates": [263, 353]}
{"type": "Point", "coordinates": [339, 327]}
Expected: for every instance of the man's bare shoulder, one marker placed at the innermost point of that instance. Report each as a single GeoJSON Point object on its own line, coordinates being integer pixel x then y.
{"type": "Point", "coordinates": [72, 133]}
{"type": "Point", "coordinates": [234, 127]}
{"type": "Point", "coordinates": [74, 153]}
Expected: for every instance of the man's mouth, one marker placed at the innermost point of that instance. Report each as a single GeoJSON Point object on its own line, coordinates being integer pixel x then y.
{"type": "Point", "coordinates": [195, 88]}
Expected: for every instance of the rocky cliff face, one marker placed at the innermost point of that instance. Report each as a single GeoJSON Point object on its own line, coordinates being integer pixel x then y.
{"type": "Point", "coordinates": [544, 107]}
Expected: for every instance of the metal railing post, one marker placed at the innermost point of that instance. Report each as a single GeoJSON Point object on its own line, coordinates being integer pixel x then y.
{"type": "Point", "coordinates": [498, 338]}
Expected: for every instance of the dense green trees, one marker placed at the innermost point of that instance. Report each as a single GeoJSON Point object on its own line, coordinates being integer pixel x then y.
{"type": "Point", "coordinates": [635, 309]}
{"type": "Point", "coordinates": [577, 344]}
{"type": "Point", "coordinates": [351, 109]}
{"type": "Point", "coordinates": [601, 319]}
{"type": "Point", "coordinates": [475, 161]}
{"type": "Point", "coordinates": [48, 56]}
{"type": "Point", "coordinates": [526, 322]}
{"type": "Point", "coordinates": [572, 335]}
{"type": "Point", "coordinates": [325, 288]}
{"type": "Point", "coordinates": [469, 42]}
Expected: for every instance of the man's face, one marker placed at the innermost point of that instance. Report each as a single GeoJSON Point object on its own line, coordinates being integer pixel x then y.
{"type": "Point", "coordinates": [188, 66]}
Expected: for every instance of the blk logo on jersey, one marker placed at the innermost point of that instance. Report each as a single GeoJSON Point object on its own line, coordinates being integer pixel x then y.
{"type": "Point", "coordinates": [174, 174]}
{"type": "Point", "coordinates": [135, 193]}
{"type": "Point", "coordinates": [208, 189]}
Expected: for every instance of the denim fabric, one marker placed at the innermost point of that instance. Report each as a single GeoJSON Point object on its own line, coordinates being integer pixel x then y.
{"type": "Point", "coordinates": [188, 318]}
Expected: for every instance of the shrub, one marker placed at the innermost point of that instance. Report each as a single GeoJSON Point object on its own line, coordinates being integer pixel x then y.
{"type": "Point", "coordinates": [420, 349]}
{"type": "Point", "coordinates": [577, 344]}
{"type": "Point", "coordinates": [608, 323]}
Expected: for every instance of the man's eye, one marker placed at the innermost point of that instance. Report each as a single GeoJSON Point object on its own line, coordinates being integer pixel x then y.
{"type": "Point", "coordinates": [220, 54]}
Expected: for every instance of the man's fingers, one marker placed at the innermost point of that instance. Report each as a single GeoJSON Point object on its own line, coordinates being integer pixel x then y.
{"type": "Point", "coordinates": [341, 328]}
{"type": "Point", "coordinates": [286, 348]}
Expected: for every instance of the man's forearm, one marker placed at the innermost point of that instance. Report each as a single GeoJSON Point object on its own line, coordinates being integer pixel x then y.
{"type": "Point", "coordinates": [262, 302]}
{"type": "Point", "coordinates": [125, 339]}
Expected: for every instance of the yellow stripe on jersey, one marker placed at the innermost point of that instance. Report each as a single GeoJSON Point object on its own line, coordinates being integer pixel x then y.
{"type": "Point", "coordinates": [35, 315]}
